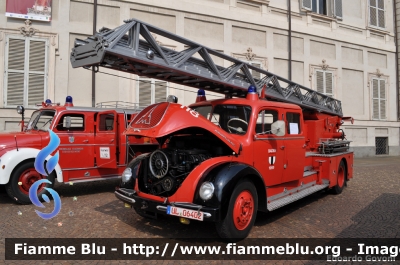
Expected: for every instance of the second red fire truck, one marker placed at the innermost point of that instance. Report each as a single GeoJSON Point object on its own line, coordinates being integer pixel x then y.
{"type": "Point", "coordinates": [92, 147]}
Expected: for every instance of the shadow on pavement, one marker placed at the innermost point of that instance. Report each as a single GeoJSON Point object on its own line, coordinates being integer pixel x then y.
{"type": "Point", "coordinates": [164, 226]}
{"type": "Point", "coordinates": [379, 219]}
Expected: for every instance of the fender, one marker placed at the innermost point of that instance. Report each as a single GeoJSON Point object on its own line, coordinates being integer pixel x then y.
{"type": "Point", "coordinates": [12, 158]}
{"type": "Point", "coordinates": [224, 177]}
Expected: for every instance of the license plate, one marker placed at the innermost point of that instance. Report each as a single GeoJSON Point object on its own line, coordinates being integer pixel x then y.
{"type": "Point", "coordinates": [181, 212]}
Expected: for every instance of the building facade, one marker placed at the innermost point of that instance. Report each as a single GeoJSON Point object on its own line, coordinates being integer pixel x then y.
{"type": "Point", "coordinates": [346, 49]}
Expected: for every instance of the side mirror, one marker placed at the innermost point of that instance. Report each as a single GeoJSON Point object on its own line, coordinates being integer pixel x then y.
{"type": "Point", "coordinates": [67, 122]}
{"type": "Point", "coordinates": [278, 128]}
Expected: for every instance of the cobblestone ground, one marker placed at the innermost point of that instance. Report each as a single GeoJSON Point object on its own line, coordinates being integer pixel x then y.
{"type": "Point", "coordinates": [368, 207]}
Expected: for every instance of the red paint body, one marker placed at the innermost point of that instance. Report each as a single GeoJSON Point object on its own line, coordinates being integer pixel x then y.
{"type": "Point", "coordinates": [291, 154]}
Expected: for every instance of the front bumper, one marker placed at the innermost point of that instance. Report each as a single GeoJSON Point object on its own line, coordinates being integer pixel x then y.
{"type": "Point", "coordinates": [130, 197]}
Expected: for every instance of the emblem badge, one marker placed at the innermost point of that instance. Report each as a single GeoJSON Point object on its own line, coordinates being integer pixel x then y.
{"type": "Point", "coordinates": [71, 139]}
{"type": "Point", "coordinates": [146, 118]}
{"type": "Point", "coordinates": [272, 160]}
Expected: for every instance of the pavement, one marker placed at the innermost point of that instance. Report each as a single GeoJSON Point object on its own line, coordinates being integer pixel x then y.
{"type": "Point", "coordinates": [369, 207]}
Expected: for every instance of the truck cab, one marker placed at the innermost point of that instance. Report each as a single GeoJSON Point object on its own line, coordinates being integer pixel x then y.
{"type": "Point", "coordinates": [92, 147]}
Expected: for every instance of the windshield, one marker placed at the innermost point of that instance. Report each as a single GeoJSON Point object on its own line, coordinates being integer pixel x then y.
{"type": "Point", "coordinates": [231, 118]}
{"type": "Point", "coordinates": [41, 120]}
{"type": "Point", "coordinates": [204, 110]}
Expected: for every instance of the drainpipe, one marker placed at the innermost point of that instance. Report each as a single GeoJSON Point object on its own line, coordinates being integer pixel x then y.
{"type": "Point", "coordinates": [290, 39]}
{"type": "Point", "coordinates": [396, 41]}
{"type": "Point", "coordinates": [93, 67]}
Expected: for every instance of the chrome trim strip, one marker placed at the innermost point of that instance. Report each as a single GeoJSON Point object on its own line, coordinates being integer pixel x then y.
{"type": "Point", "coordinates": [89, 168]}
{"type": "Point", "coordinates": [73, 145]}
{"type": "Point", "coordinates": [276, 139]}
{"type": "Point", "coordinates": [161, 208]}
{"type": "Point", "coordinates": [124, 198]}
{"type": "Point", "coordinates": [90, 180]}
{"type": "Point", "coordinates": [308, 154]}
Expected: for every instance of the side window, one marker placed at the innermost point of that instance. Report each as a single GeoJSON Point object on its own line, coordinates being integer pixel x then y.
{"type": "Point", "coordinates": [264, 120]}
{"type": "Point", "coordinates": [77, 122]}
{"type": "Point", "coordinates": [106, 122]}
{"type": "Point", "coordinates": [293, 123]}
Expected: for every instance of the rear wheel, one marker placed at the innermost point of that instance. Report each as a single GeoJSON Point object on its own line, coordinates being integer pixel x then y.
{"type": "Point", "coordinates": [21, 181]}
{"type": "Point", "coordinates": [341, 178]}
{"type": "Point", "coordinates": [242, 211]}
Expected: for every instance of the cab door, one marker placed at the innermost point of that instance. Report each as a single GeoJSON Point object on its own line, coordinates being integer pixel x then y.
{"type": "Point", "coordinates": [268, 152]}
{"type": "Point", "coordinates": [76, 140]}
{"type": "Point", "coordinates": [106, 140]}
{"type": "Point", "coordinates": [295, 154]}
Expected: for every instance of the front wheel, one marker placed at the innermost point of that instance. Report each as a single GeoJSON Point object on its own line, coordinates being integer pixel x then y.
{"type": "Point", "coordinates": [341, 178]}
{"type": "Point", "coordinates": [21, 181]}
{"type": "Point", "coordinates": [241, 213]}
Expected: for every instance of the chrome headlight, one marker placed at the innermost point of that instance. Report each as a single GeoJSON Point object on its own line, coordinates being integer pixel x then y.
{"type": "Point", "coordinates": [127, 175]}
{"type": "Point", "coordinates": [206, 190]}
{"type": "Point", "coordinates": [20, 110]}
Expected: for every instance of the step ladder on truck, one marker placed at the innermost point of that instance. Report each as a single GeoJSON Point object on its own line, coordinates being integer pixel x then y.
{"type": "Point", "coordinates": [268, 143]}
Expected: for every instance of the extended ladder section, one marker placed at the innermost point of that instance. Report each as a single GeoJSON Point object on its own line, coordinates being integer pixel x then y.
{"type": "Point", "coordinates": [133, 48]}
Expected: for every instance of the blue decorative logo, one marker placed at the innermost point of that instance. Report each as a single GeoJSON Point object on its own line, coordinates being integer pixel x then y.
{"type": "Point", "coordinates": [50, 165]}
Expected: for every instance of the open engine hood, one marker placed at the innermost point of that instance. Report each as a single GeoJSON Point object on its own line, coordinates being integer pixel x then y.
{"type": "Point", "coordinates": [165, 118]}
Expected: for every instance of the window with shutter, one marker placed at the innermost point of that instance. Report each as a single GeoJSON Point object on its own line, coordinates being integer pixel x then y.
{"type": "Point", "coordinates": [160, 91]}
{"type": "Point", "coordinates": [324, 7]}
{"type": "Point", "coordinates": [151, 91]}
{"type": "Point", "coordinates": [144, 92]}
{"type": "Point", "coordinates": [36, 77]}
{"type": "Point", "coordinates": [338, 8]}
{"type": "Point", "coordinates": [377, 13]}
{"type": "Point", "coordinates": [320, 7]}
{"type": "Point", "coordinates": [378, 99]}
{"type": "Point", "coordinates": [25, 71]}
{"type": "Point", "coordinates": [307, 4]}
{"type": "Point", "coordinates": [256, 74]}
{"type": "Point", "coordinates": [324, 82]}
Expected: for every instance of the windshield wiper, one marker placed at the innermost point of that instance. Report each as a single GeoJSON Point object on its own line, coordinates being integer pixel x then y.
{"type": "Point", "coordinates": [34, 122]}
{"type": "Point", "coordinates": [215, 120]}
{"type": "Point", "coordinates": [45, 124]}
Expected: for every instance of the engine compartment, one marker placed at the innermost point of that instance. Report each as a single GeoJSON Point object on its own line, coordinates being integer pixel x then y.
{"type": "Point", "coordinates": [163, 171]}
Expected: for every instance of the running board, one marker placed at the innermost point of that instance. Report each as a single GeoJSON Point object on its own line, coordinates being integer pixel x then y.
{"type": "Point", "coordinates": [294, 196]}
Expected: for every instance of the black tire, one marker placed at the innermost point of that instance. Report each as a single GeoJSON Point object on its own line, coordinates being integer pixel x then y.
{"type": "Point", "coordinates": [341, 178]}
{"type": "Point", "coordinates": [243, 193]}
{"type": "Point", "coordinates": [22, 178]}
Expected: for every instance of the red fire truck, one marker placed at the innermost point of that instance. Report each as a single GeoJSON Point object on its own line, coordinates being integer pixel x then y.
{"type": "Point", "coordinates": [92, 146]}
{"type": "Point", "coordinates": [268, 143]}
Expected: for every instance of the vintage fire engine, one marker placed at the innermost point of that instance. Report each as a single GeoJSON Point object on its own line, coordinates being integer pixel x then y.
{"type": "Point", "coordinates": [92, 146]}
{"type": "Point", "coordinates": [268, 143]}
